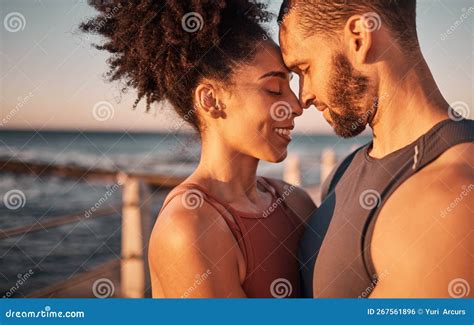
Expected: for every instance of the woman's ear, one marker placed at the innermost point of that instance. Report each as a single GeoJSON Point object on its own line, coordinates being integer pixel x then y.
{"type": "Point", "coordinates": [207, 99]}
{"type": "Point", "coordinates": [358, 36]}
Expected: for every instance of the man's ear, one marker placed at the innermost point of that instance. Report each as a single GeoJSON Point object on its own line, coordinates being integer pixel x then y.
{"type": "Point", "coordinates": [358, 35]}
{"type": "Point", "coordinates": [207, 99]}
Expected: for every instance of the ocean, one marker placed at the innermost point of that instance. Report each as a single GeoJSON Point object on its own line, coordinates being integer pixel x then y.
{"type": "Point", "coordinates": [57, 254]}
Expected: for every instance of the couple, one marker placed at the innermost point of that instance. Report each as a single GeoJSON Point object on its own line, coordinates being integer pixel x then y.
{"type": "Point", "coordinates": [226, 232]}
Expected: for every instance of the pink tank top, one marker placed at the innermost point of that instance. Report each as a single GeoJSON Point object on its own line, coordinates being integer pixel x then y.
{"type": "Point", "coordinates": [268, 240]}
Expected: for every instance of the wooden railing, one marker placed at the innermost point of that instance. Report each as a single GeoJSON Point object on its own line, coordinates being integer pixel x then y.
{"type": "Point", "coordinates": [136, 215]}
{"type": "Point", "coordinates": [135, 211]}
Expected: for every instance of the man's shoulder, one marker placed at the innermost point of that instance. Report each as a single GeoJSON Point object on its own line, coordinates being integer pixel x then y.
{"type": "Point", "coordinates": [436, 185]}
{"type": "Point", "coordinates": [423, 230]}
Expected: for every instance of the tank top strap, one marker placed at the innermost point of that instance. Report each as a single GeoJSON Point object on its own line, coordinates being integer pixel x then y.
{"type": "Point", "coordinates": [442, 137]}
{"type": "Point", "coordinates": [267, 185]}
{"type": "Point", "coordinates": [280, 197]}
{"type": "Point", "coordinates": [425, 150]}
{"type": "Point", "coordinates": [200, 193]}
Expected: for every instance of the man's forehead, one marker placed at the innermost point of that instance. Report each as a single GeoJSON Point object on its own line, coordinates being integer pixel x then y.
{"type": "Point", "coordinates": [290, 39]}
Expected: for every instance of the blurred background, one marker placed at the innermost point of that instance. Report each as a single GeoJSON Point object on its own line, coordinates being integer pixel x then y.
{"type": "Point", "coordinates": [77, 162]}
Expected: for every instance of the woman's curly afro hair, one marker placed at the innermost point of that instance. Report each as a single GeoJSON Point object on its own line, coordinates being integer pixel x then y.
{"type": "Point", "coordinates": [163, 48]}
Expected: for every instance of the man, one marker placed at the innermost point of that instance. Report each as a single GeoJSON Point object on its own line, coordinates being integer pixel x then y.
{"type": "Point", "coordinates": [396, 219]}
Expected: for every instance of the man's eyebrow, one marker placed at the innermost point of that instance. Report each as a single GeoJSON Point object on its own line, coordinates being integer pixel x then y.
{"type": "Point", "coordinates": [280, 74]}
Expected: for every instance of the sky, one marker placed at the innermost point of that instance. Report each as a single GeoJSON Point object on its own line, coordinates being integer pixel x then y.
{"type": "Point", "coordinates": [51, 78]}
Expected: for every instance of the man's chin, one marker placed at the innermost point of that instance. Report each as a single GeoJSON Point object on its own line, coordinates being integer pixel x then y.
{"type": "Point", "coordinates": [348, 132]}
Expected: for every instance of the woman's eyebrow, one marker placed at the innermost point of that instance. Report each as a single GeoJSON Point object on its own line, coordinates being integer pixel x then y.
{"type": "Point", "coordinates": [280, 74]}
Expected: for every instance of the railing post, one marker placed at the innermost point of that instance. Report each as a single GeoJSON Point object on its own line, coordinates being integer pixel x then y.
{"type": "Point", "coordinates": [135, 230]}
{"type": "Point", "coordinates": [292, 170]}
{"type": "Point", "coordinates": [328, 162]}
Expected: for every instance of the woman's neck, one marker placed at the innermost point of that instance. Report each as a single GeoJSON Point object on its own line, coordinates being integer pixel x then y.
{"type": "Point", "coordinates": [231, 174]}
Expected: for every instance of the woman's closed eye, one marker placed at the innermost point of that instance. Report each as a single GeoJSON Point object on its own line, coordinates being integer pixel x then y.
{"type": "Point", "coordinates": [276, 92]}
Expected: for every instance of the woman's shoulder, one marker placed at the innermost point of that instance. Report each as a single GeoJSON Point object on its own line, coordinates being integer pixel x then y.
{"type": "Point", "coordinates": [187, 219]}
{"type": "Point", "coordinates": [295, 197]}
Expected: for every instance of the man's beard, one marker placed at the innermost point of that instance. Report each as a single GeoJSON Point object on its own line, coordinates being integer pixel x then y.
{"type": "Point", "coordinates": [348, 91]}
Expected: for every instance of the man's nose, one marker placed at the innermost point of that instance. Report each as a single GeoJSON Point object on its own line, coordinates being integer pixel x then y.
{"type": "Point", "coordinates": [306, 100]}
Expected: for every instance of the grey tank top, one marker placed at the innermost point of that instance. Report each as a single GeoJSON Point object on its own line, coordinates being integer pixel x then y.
{"type": "Point", "coordinates": [335, 249]}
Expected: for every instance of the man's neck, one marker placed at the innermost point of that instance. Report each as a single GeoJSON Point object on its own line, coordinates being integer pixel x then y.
{"type": "Point", "coordinates": [409, 106]}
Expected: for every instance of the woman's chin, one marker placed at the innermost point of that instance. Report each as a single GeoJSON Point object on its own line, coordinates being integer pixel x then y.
{"type": "Point", "coordinates": [277, 157]}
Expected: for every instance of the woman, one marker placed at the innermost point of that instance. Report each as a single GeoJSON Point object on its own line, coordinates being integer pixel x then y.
{"type": "Point", "coordinates": [223, 232]}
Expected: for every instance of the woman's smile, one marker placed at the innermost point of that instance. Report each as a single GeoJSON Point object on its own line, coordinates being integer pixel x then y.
{"type": "Point", "coordinates": [284, 132]}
